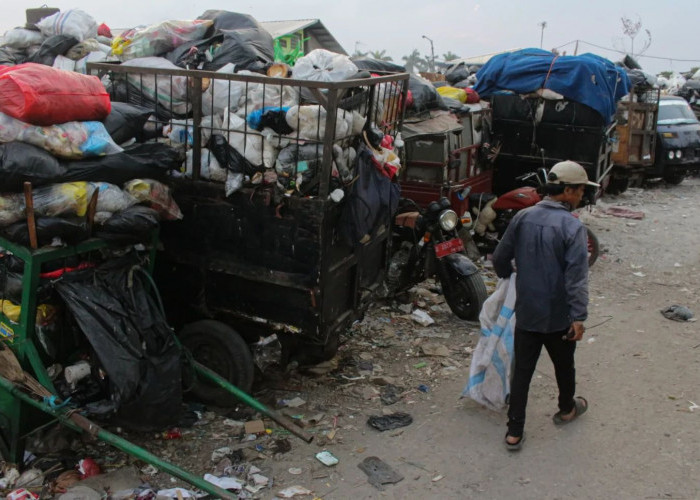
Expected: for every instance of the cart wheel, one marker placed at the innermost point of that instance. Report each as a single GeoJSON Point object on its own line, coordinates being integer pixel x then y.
{"type": "Point", "coordinates": [220, 348]}
{"type": "Point", "coordinates": [674, 178]}
{"type": "Point", "coordinates": [618, 185]}
{"type": "Point", "coordinates": [593, 247]}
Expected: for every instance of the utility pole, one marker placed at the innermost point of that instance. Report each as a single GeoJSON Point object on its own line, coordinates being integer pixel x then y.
{"type": "Point", "coordinates": [543, 25]}
{"type": "Point", "coordinates": [432, 55]}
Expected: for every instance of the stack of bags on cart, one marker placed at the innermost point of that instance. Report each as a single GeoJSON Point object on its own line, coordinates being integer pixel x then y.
{"type": "Point", "coordinates": [60, 133]}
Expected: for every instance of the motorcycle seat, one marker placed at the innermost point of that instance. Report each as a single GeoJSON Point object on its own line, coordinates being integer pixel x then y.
{"type": "Point", "coordinates": [407, 219]}
{"type": "Point", "coordinates": [477, 200]}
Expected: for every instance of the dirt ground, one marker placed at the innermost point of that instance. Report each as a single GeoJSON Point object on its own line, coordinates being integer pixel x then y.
{"type": "Point", "coordinates": [639, 371]}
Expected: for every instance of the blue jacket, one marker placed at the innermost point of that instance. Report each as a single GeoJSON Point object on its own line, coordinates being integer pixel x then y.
{"type": "Point", "coordinates": [550, 248]}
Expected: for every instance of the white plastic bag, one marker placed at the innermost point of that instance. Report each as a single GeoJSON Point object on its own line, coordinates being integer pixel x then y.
{"type": "Point", "coordinates": [251, 144]}
{"type": "Point", "coordinates": [74, 22]}
{"type": "Point", "coordinates": [20, 38]}
{"type": "Point", "coordinates": [492, 360]}
{"type": "Point", "coordinates": [222, 94]}
{"type": "Point", "coordinates": [322, 65]}
{"type": "Point", "coordinates": [209, 166]}
{"type": "Point", "coordinates": [64, 63]}
{"type": "Point", "coordinates": [310, 122]}
{"type": "Point", "coordinates": [171, 93]}
{"type": "Point", "coordinates": [110, 198]}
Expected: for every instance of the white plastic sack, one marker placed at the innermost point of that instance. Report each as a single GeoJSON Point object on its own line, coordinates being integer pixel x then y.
{"type": "Point", "coordinates": [64, 63]}
{"type": "Point", "coordinates": [71, 140]}
{"type": "Point", "coordinates": [110, 198]}
{"type": "Point", "coordinates": [305, 120]}
{"type": "Point", "coordinates": [94, 57]}
{"type": "Point", "coordinates": [167, 88]}
{"type": "Point", "coordinates": [74, 22]}
{"type": "Point", "coordinates": [322, 65]}
{"type": "Point", "coordinates": [182, 131]}
{"type": "Point", "coordinates": [257, 95]}
{"type": "Point", "coordinates": [222, 94]}
{"type": "Point", "coordinates": [19, 38]}
{"type": "Point", "coordinates": [492, 360]}
{"type": "Point", "coordinates": [209, 166]}
{"type": "Point", "coordinates": [251, 144]}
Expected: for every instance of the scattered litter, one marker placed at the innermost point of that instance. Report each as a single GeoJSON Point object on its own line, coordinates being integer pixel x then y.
{"type": "Point", "coordinates": [406, 308]}
{"type": "Point", "coordinates": [677, 264]}
{"type": "Point", "coordinates": [390, 394]}
{"type": "Point", "coordinates": [323, 368]}
{"type": "Point", "coordinates": [678, 313]}
{"type": "Point", "coordinates": [422, 364]}
{"type": "Point", "coordinates": [437, 478]}
{"type": "Point", "coordinates": [255, 427]}
{"type": "Point", "coordinates": [422, 318]}
{"type": "Point", "coordinates": [388, 422]}
{"type": "Point", "coordinates": [293, 403]}
{"type": "Point", "coordinates": [22, 494]}
{"type": "Point", "coordinates": [591, 340]}
{"type": "Point", "coordinates": [435, 350]}
{"type": "Point", "coordinates": [149, 470]}
{"type": "Point", "coordinates": [234, 423]}
{"type": "Point", "coordinates": [639, 274]}
{"type": "Point", "coordinates": [179, 493]}
{"type": "Point", "coordinates": [293, 491]}
{"type": "Point", "coordinates": [10, 479]}
{"type": "Point", "coordinates": [260, 480]}
{"type": "Point", "coordinates": [326, 458]}
{"type": "Point", "coordinates": [88, 468]}
{"type": "Point", "coordinates": [623, 212]}
{"type": "Point", "coordinates": [432, 334]}
{"type": "Point", "coordinates": [379, 473]}
{"type": "Point", "coordinates": [220, 453]}
{"type": "Point", "coordinates": [227, 483]}
{"type": "Point", "coordinates": [693, 406]}
{"type": "Point", "coordinates": [295, 471]}
{"type": "Point", "coordinates": [423, 388]}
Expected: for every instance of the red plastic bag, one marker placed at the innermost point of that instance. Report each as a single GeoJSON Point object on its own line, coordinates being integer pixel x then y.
{"type": "Point", "coordinates": [103, 30]}
{"type": "Point", "coordinates": [42, 95]}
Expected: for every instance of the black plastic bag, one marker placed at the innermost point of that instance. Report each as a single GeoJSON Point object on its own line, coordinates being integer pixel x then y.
{"type": "Point", "coordinates": [299, 159]}
{"type": "Point", "coordinates": [133, 225]}
{"type": "Point", "coordinates": [225, 20]}
{"type": "Point", "coordinates": [391, 421]}
{"type": "Point", "coordinates": [425, 97]}
{"type": "Point", "coordinates": [21, 162]}
{"type": "Point", "coordinates": [456, 73]}
{"type": "Point", "coordinates": [56, 45]}
{"type": "Point", "coordinates": [48, 228]}
{"type": "Point", "coordinates": [10, 285]}
{"type": "Point", "coordinates": [375, 65]}
{"type": "Point", "coordinates": [249, 49]}
{"type": "Point", "coordinates": [122, 91]}
{"type": "Point", "coordinates": [191, 54]}
{"type": "Point", "coordinates": [131, 339]}
{"type": "Point", "coordinates": [150, 160]}
{"type": "Point", "coordinates": [125, 121]}
{"type": "Point", "coordinates": [229, 158]}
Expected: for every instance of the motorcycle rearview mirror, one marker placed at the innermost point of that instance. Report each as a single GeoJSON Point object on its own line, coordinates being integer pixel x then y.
{"type": "Point", "coordinates": [445, 203]}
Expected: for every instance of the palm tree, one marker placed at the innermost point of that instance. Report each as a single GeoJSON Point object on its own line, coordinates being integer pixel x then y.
{"type": "Point", "coordinates": [414, 60]}
{"type": "Point", "coordinates": [380, 55]}
{"type": "Point", "coordinates": [450, 56]}
{"type": "Point", "coordinates": [358, 53]}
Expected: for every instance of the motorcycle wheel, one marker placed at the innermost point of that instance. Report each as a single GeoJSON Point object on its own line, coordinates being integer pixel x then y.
{"type": "Point", "coordinates": [465, 295]}
{"type": "Point", "coordinates": [593, 247]}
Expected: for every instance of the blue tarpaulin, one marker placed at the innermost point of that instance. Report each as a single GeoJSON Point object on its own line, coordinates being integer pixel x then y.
{"type": "Point", "coordinates": [589, 79]}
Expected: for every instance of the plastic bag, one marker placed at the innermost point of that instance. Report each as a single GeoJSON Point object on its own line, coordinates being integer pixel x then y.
{"type": "Point", "coordinates": [456, 72]}
{"type": "Point", "coordinates": [492, 360]}
{"type": "Point", "coordinates": [209, 166]}
{"type": "Point", "coordinates": [222, 94]}
{"type": "Point", "coordinates": [20, 38]}
{"type": "Point", "coordinates": [182, 131]}
{"type": "Point", "coordinates": [42, 95]}
{"type": "Point", "coordinates": [52, 47]}
{"type": "Point", "coordinates": [253, 146]}
{"type": "Point", "coordinates": [80, 50]}
{"type": "Point", "coordinates": [63, 63]}
{"type": "Point", "coordinates": [322, 65]}
{"type": "Point", "coordinates": [20, 163]}
{"type": "Point", "coordinates": [157, 195]}
{"type": "Point", "coordinates": [133, 225]}
{"type": "Point", "coordinates": [68, 140]}
{"type": "Point", "coordinates": [310, 122]}
{"type": "Point", "coordinates": [74, 22]}
{"type": "Point", "coordinates": [367, 63]}
{"type": "Point", "coordinates": [453, 93]}
{"type": "Point", "coordinates": [171, 93]}
{"type": "Point", "coordinates": [94, 57]}
{"type": "Point", "coordinates": [125, 121]}
{"type": "Point", "coordinates": [158, 38]}
{"type": "Point", "coordinates": [424, 94]}
{"type": "Point", "coordinates": [230, 158]}
{"type": "Point", "coordinates": [50, 201]}
{"type": "Point", "coordinates": [258, 96]}
{"type": "Point", "coordinates": [273, 117]}
{"type": "Point", "coordinates": [110, 198]}
{"type": "Point", "coordinates": [47, 230]}
{"type": "Point", "coordinates": [151, 160]}
{"type": "Point", "coordinates": [298, 164]}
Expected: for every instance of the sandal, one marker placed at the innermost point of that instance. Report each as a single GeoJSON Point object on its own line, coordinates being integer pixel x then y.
{"type": "Point", "coordinates": [580, 407]}
{"type": "Point", "coordinates": [514, 446]}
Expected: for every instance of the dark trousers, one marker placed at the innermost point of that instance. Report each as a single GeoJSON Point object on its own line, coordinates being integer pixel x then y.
{"type": "Point", "coordinates": [527, 349]}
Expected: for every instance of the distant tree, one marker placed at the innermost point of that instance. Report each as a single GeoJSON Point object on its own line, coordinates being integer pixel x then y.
{"type": "Point", "coordinates": [415, 60]}
{"type": "Point", "coordinates": [450, 56]}
{"type": "Point", "coordinates": [380, 55]}
{"type": "Point", "coordinates": [359, 53]}
{"type": "Point", "coordinates": [694, 69]}
{"type": "Point", "coordinates": [631, 28]}
{"type": "Point", "coordinates": [666, 74]}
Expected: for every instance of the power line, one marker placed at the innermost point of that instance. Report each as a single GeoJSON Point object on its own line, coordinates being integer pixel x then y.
{"type": "Point", "coordinates": [637, 55]}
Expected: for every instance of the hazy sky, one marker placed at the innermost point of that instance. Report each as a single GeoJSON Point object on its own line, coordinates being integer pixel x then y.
{"type": "Point", "coordinates": [465, 27]}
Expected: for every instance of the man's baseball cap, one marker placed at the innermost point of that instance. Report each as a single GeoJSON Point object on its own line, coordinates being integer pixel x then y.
{"type": "Point", "coordinates": [569, 172]}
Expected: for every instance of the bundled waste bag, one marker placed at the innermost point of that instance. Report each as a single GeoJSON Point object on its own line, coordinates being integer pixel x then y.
{"type": "Point", "coordinates": [424, 95]}
{"type": "Point", "coordinates": [157, 195]}
{"type": "Point", "coordinates": [47, 229]}
{"type": "Point", "coordinates": [133, 343]}
{"type": "Point", "coordinates": [74, 22]}
{"type": "Point", "coordinates": [20, 38]}
{"type": "Point", "coordinates": [20, 163]}
{"type": "Point", "coordinates": [367, 63]}
{"type": "Point", "coordinates": [133, 225]}
{"type": "Point", "coordinates": [110, 198]}
{"type": "Point", "coordinates": [69, 140]}
{"type": "Point", "coordinates": [150, 160]}
{"type": "Point", "coordinates": [125, 121]}
{"type": "Point", "coordinates": [158, 38]}
{"type": "Point", "coordinates": [67, 199]}
{"type": "Point", "coordinates": [53, 46]}
{"type": "Point", "coordinates": [41, 95]}
{"type": "Point", "coordinates": [322, 65]}
{"type": "Point", "coordinates": [492, 361]}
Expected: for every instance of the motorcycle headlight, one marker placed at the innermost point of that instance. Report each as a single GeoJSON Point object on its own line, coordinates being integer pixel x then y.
{"type": "Point", "coordinates": [670, 155]}
{"type": "Point", "coordinates": [679, 154]}
{"type": "Point", "coordinates": [448, 220]}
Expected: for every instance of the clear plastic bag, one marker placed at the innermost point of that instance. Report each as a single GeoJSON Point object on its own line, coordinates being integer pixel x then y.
{"type": "Point", "coordinates": [322, 65]}
{"type": "Point", "coordinates": [209, 166]}
{"type": "Point", "coordinates": [157, 195]}
{"type": "Point", "coordinates": [158, 38]}
{"type": "Point", "coordinates": [72, 140]}
{"type": "Point", "coordinates": [310, 122]}
{"type": "Point", "coordinates": [65, 199]}
{"type": "Point", "coordinates": [74, 22]}
{"type": "Point", "coordinates": [110, 198]}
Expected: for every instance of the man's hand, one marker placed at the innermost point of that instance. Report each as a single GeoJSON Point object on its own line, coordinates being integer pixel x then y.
{"type": "Point", "coordinates": [575, 331]}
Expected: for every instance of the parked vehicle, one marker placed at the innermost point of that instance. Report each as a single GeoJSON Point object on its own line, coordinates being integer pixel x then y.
{"type": "Point", "coordinates": [426, 243]}
{"type": "Point", "coordinates": [678, 141]}
{"type": "Point", "coordinates": [492, 214]}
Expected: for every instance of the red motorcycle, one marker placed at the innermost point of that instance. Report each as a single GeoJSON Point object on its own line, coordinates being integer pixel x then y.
{"type": "Point", "coordinates": [491, 214]}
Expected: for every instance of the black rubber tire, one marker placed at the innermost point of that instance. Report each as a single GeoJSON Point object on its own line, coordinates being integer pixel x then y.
{"type": "Point", "coordinates": [674, 178]}
{"type": "Point", "coordinates": [593, 247]}
{"type": "Point", "coordinates": [220, 348]}
{"type": "Point", "coordinates": [618, 185]}
{"type": "Point", "coordinates": [465, 295]}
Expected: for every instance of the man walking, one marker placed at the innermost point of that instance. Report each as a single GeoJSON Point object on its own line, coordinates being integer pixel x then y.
{"type": "Point", "coordinates": [550, 249]}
